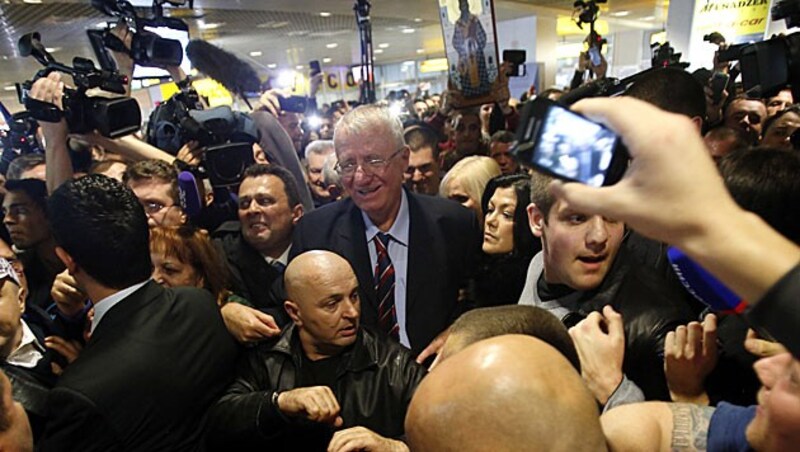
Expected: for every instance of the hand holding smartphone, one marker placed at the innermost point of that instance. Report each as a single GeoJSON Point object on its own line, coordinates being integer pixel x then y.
{"type": "Point", "coordinates": [566, 145]}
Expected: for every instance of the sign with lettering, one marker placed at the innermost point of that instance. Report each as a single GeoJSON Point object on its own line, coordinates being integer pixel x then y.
{"type": "Point", "coordinates": [738, 20]}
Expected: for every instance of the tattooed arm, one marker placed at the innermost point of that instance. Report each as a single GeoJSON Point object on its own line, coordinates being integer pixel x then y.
{"type": "Point", "coordinates": [657, 426]}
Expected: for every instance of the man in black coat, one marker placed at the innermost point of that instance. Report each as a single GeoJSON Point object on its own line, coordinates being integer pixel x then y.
{"type": "Point", "coordinates": [156, 359]}
{"type": "Point", "coordinates": [426, 246]}
{"type": "Point", "coordinates": [620, 312]}
{"type": "Point", "coordinates": [256, 250]}
{"type": "Point", "coordinates": [325, 382]}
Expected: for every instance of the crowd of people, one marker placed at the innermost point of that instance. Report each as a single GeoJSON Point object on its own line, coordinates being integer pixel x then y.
{"type": "Point", "coordinates": [386, 281]}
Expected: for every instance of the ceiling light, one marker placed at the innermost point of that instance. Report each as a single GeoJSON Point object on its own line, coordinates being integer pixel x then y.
{"type": "Point", "coordinates": [32, 2]}
{"type": "Point", "coordinates": [383, 45]}
{"type": "Point", "coordinates": [209, 26]}
{"type": "Point", "coordinates": [272, 65]}
{"type": "Point", "coordinates": [332, 45]}
{"type": "Point", "coordinates": [299, 67]}
{"type": "Point", "coordinates": [256, 54]}
{"type": "Point", "coordinates": [378, 51]}
{"type": "Point", "coordinates": [9, 88]}
{"type": "Point", "coordinates": [417, 20]}
{"type": "Point", "coordinates": [408, 30]}
{"type": "Point", "coordinates": [420, 50]}
{"type": "Point", "coordinates": [326, 60]}
{"type": "Point", "coordinates": [649, 18]}
{"type": "Point", "coordinates": [325, 14]}
{"type": "Point", "coordinates": [620, 13]}
{"type": "Point", "coordinates": [409, 63]}
{"type": "Point", "coordinates": [52, 49]}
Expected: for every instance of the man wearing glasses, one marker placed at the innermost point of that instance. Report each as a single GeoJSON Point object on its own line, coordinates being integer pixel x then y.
{"type": "Point", "coordinates": [155, 184]}
{"type": "Point", "coordinates": [410, 252]}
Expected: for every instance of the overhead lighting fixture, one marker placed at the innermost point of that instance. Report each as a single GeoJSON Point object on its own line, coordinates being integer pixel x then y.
{"type": "Point", "coordinates": [325, 14]}
{"type": "Point", "coordinates": [408, 31]}
{"type": "Point", "coordinates": [272, 65]}
{"type": "Point", "coordinates": [332, 45]}
{"type": "Point", "coordinates": [383, 45]}
{"type": "Point", "coordinates": [620, 13]}
{"type": "Point", "coordinates": [649, 18]}
{"type": "Point", "coordinates": [417, 20]}
{"type": "Point", "coordinates": [209, 26]}
{"type": "Point", "coordinates": [326, 60]}
{"type": "Point", "coordinates": [378, 51]}
{"type": "Point", "coordinates": [52, 49]}
{"type": "Point", "coordinates": [409, 63]}
{"type": "Point", "coordinates": [256, 54]}
{"type": "Point", "coordinates": [9, 88]}
{"type": "Point", "coordinates": [32, 2]}
{"type": "Point", "coordinates": [420, 50]}
{"type": "Point", "coordinates": [299, 67]}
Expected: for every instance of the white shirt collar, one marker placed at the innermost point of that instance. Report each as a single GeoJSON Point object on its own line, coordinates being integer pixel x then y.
{"type": "Point", "coordinates": [29, 351]}
{"type": "Point", "coordinates": [399, 230]}
{"type": "Point", "coordinates": [283, 258]}
{"type": "Point", "coordinates": [103, 306]}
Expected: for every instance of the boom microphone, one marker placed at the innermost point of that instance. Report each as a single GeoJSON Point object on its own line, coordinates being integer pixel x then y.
{"type": "Point", "coordinates": [235, 75]}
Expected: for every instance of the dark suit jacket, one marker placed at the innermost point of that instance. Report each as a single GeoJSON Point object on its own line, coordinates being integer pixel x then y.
{"type": "Point", "coordinates": [252, 278]}
{"type": "Point", "coordinates": [444, 245]}
{"type": "Point", "coordinates": [152, 368]}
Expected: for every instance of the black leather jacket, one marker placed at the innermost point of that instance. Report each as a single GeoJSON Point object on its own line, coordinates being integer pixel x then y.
{"type": "Point", "coordinates": [374, 385]}
{"type": "Point", "coordinates": [650, 309]}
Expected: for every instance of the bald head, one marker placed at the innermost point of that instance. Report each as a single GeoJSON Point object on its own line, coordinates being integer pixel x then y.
{"type": "Point", "coordinates": [521, 391]}
{"type": "Point", "coordinates": [306, 272]}
{"type": "Point", "coordinates": [323, 302]}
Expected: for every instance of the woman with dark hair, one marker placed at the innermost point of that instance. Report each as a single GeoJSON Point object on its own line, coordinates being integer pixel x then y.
{"type": "Point", "coordinates": [508, 243]}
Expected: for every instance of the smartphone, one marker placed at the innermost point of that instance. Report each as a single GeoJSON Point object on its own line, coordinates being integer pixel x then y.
{"type": "Point", "coordinates": [568, 146]}
{"type": "Point", "coordinates": [315, 67]}
{"type": "Point", "coordinates": [295, 104]}
{"type": "Point", "coordinates": [718, 82]}
{"type": "Point", "coordinates": [517, 59]}
{"type": "Point", "coordinates": [594, 55]}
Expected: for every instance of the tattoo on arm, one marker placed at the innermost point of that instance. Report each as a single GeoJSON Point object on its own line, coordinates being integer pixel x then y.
{"type": "Point", "coordinates": [690, 426]}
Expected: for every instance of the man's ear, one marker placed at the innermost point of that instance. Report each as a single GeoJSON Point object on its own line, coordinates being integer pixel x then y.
{"type": "Point", "coordinates": [71, 265]}
{"type": "Point", "coordinates": [297, 213]}
{"type": "Point", "coordinates": [23, 294]}
{"type": "Point", "coordinates": [293, 311]}
{"type": "Point", "coordinates": [698, 123]}
{"type": "Point", "coordinates": [535, 220]}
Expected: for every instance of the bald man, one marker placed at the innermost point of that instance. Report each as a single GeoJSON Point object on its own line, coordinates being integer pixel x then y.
{"type": "Point", "coordinates": [325, 382]}
{"type": "Point", "coordinates": [521, 394]}
{"type": "Point", "coordinates": [485, 323]}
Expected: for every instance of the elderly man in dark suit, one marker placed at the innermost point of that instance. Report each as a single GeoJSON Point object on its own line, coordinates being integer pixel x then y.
{"type": "Point", "coordinates": [157, 358]}
{"type": "Point", "coordinates": [410, 252]}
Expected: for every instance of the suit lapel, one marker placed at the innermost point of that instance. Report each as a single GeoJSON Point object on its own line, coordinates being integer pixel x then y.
{"type": "Point", "coordinates": [352, 237]}
{"type": "Point", "coordinates": [421, 256]}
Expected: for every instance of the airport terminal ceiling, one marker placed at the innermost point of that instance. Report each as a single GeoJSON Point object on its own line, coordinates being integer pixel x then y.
{"type": "Point", "coordinates": [282, 33]}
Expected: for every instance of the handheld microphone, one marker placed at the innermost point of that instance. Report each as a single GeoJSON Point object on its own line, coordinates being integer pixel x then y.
{"type": "Point", "coordinates": [190, 194]}
{"type": "Point", "coordinates": [703, 285]}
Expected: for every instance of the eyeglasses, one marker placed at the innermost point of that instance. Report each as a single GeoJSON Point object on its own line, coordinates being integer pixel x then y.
{"type": "Point", "coordinates": [369, 166]}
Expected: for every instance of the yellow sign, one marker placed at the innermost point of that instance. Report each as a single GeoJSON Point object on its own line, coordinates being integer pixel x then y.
{"type": "Point", "coordinates": [736, 17]}
{"type": "Point", "coordinates": [565, 26]}
{"type": "Point", "coordinates": [433, 65]}
{"type": "Point", "coordinates": [217, 94]}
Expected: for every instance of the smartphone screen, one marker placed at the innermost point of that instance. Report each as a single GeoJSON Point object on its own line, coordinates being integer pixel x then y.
{"type": "Point", "coordinates": [594, 56]}
{"type": "Point", "coordinates": [568, 146]}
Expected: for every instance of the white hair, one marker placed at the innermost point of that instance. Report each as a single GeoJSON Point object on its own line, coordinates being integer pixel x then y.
{"type": "Point", "coordinates": [368, 120]}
